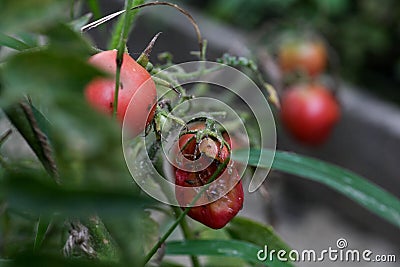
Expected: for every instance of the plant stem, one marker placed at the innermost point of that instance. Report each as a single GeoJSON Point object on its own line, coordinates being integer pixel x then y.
{"type": "Point", "coordinates": [104, 244]}
{"type": "Point", "coordinates": [218, 171]}
{"type": "Point", "coordinates": [120, 54]}
{"type": "Point", "coordinates": [187, 233]}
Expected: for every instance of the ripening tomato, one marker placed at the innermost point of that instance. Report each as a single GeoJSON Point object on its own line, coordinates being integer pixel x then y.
{"type": "Point", "coordinates": [217, 213]}
{"type": "Point", "coordinates": [135, 84]}
{"type": "Point", "coordinates": [309, 56]}
{"type": "Point", "coordinates": [309, 112]}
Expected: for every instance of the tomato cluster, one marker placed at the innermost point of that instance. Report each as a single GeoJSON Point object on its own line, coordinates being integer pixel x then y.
{"type": "Point", "coordinates": [203, 157]}
{"type": "Point", "coordinates": [308, 109]}
{"type": "Point", "coordinates": [138, 90]}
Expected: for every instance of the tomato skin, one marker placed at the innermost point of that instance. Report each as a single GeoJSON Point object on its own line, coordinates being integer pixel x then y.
{"type": "Point", "coordinates": [218, 213]}
{"type": "Point", "coordinates": [309, 113]}
{"type": "Point", "coordinates": [309, 56]}
{"type": "Point", "coordinates": [215, 214]}
{"type": "Point", "coordinates": [100, 91]}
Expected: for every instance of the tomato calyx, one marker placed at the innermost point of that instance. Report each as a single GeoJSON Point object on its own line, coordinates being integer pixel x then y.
{"type": "Point", "coordinates": [209, 131]}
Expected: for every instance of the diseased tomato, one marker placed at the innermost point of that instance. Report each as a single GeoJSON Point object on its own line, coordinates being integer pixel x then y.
{"type": "Point", "coordinates": [135, 84]}
{"type": "Point", "coordinates": [309, 112]}
{"type": "Point", "coordinates": [206, 156]}
{"type": "Point", "coordinates": [309, 56]}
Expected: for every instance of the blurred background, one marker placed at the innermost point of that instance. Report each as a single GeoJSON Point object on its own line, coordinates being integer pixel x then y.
{"type": "Point", "coordinates": [363, 67]}
{"type": "Point", "coordinates": [362, 39]}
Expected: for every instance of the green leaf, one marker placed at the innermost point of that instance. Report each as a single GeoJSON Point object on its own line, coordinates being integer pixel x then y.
{"type": "Point", "coordinates": [42, 227]}
{"type": "Point", "coordinates": [222, 261]}
{"type": "Point", "coordinates": [31, 39]}
{"type": "Point", "coordinates": [244, 229]}
{"type": "Point", "coordinates": [168, 264]}
{"type": "Point", "coordinates": [371, 196]}
{"type": "Point", "coordinates": [42, 122]}
{"type": "Point", "coordinates": [78, 23]}
{"type": "Point", "coordinates": [26, 190]}
{"type": "Point", "coordinates": [150, 233]}
{"type": "Point", "coordinates": [63, 37]}
{"type": "Point", "coordinates": [228, 248]}
{"type": "Point", "coordinates": [20, 118]}
{"type": "Point", "coordinates": [95, 8]}
{"type": "Point", "coordinates": [45, 74]}
{"type": "Point", "coordinates": [103, 242]}
{"type": "Point", "coordinates": [117, 32]}
{"type": "Point", "coordinates": [18, 16]}
{"type": "Point", "coordinates": [12, 42]}
{"type": "Point", "coordinates": [5, 263]}
{"type": "Point", "coordinates": [135, 235]}
{"type": "Point", "coordinates": [49, 260]}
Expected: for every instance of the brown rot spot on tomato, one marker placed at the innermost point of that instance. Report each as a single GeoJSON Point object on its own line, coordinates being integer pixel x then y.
{"type": "Point", "coordinates": [208, 147]}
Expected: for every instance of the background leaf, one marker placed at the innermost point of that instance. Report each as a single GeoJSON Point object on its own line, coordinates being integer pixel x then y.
{"type": "Point", "coordinates": [348, 183]}
{"type": "Point", "coordinates": [5, 263]}
{"type": "Point", "coordinates": [63, 37]}
{"type": "Point", "coordinates": [42, 226]}
{"type": "Point", "coordinates": [31, 191]}
{"type": "Point", "coordinates": [221, 261]}
{"type": "Point", "coordinates": [50, 260]}
{"type": "Point", "coordinates": [22, 115]}
{"type": "Point", "coordinates": [94, 6]}
{"type": "Point", "coordinates": [78, 23]}
{"type": "Point", "coordinates": [18, 16]}
{"type": "Point", "coordinates": [12, 42]}
{"type": "Point", "coordinates": [46, 74]}
{"type": "Point", "coordinates": [244, 229]}
{"type": "Point", "coordinates": [229, 248]}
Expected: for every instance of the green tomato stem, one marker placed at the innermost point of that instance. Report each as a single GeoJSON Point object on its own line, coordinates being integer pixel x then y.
{"type": "Point", "coordinates": [187, 233]}
{"type": "Point", "coordinates": [120, 53]}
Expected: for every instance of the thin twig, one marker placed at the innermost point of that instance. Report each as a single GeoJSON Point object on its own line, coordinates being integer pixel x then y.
{"type": "Point", "coordinates": [156, 3]}
{"type": "Point", "coordinates": [184, 12]}
{"type": "Point", "coordinates": [144, 56]}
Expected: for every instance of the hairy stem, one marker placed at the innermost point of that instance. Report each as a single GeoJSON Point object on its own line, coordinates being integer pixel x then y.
{"type": "Point", "coordinates": [187, 233]}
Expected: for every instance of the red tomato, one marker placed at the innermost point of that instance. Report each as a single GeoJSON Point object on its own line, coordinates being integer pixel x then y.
{"type": "Point", "coordinates": [100, 92]}
{"type": "Point", "coordinates": [309, 112]}
{"type": "Point", "coordinates": [218, 213]}
{"type": "Point", "coordinates": [309, 56]}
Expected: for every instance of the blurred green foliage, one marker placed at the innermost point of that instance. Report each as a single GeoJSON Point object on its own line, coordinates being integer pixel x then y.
{"type": "Point", "coordinates": [364, 33]}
